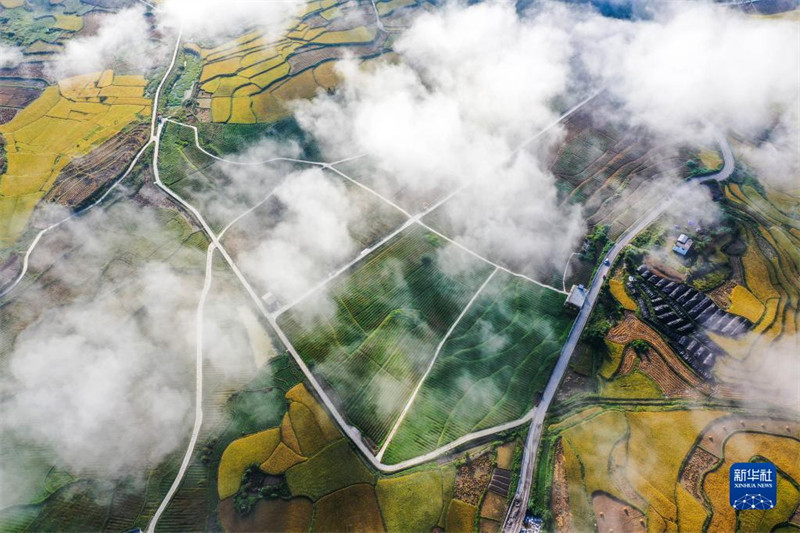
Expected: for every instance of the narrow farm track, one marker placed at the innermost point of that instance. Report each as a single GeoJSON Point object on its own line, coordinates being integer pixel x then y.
{"type": "Point", "coordinates": [198, 400]}
{"type": "Point", "coordinates": [517, 509]}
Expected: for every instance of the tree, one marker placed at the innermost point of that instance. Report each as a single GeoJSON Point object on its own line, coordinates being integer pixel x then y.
{"type": "Point", "coordinates": [640, 346]}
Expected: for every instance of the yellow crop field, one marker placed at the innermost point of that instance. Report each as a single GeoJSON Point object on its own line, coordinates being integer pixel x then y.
{"type": "Point", "coordinates": [741, 447]}
{"type": "Point", "coordinates": [711, 159]}
{"type": "Point", "coordinates": [60, 125]}
{"type": "Point", "coordinates": [308, 432]}
{"type": "Point", "coordinates": [281, 460]}
{"type": "Point", "coordinates": [68, 22]}
{"type": "Point", "coordinates": [220, 109]}
{"type": "Point", "coordinates": [617, 289]}
{"type": "Point", "coordinates": [300, 394]}
{"type": "Point", "coordinates": [460, 517]}
{"type": "Point", "coordinates": [11, 4]}
{"type": "Point", "coordinates": [632, 385]}
{"type": "Point", "coordinates": [241, 453]}
{"type": "Point", "coordinates": [256, 71]}
{"type": "Point", "coordinates": [592, 442]}
{"type": "Point", "coordinates": [756, 272]}
{"type": "Point", "coordinates": [288, 436]}
{"type": "Point", "coordinates": [691, 513]}
{"type": "Point", "coordinates": [384, 8]}
{"type": "Point", "coordinates": [361, 34]}
{"type": "Point", "coordinates": [241, 112]}
{"type": "Point", "coordinates": [743, 303]}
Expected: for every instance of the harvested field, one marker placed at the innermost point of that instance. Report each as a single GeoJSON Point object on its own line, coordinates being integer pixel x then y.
{"type": "Point", "coordinates": [85, 176]}
{"type": "Point", "coordinates": [662, 365]}
{"type": "Point", "coordinates": [614, 515]}
{"type": "Point", "coordinates": [505, 455]}
{"type": "Point", "coordinates": [472, 479]}
{"type": "Point", "coordinates": [559, 492]}
{"type": "Point", "coordinates": [291, 516]}
{"type": "Point", "coordinates": [354, 508]}
{"type": "Point", "coordinates": [493, 507]}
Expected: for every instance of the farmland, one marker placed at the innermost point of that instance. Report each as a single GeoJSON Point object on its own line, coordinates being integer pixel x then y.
{"type": "Point", "coordinates": [664, 466]}
{"type": "Point", "coordinates": [331, 486]}
{"type": "Point", "coordinates": [252, 78]}
{"type": "Point", "coordinates": [640, 440]}
{"type": "Point", "coordinates": [390, 313]}
{"type": "Point", "coordinates": [489, 370]}
{"type": "Point", "coordinates": [65, 122]}
{"type": "Point", "coordinates": [113, 282]}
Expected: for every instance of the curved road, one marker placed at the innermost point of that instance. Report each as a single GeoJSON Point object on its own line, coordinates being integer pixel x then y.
{"type": "Point", "coordinates": [519, 505]}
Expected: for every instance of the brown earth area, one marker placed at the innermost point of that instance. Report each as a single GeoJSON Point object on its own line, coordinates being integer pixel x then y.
{"type": "Point", "coordinates": [614, 516]}
{"type": "Point", "coordinates": [662, 365]}
{"type": "Point", "coordinates": [472, 479]}
{"type": "Point", "coordinates": [722, 294]}
{"type": "Point", "coordinates": [268, 515]}
{"type": "Point", "coordinates": [86, 175]}
{"type": "Point", "coordinates": [559, 492]}
{"type": "Point", "coordinates": [700, 462]}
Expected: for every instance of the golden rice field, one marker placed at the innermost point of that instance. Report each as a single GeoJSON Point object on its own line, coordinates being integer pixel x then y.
{"type": "Point", "coordinates": [619, 293]}
{"type": "Point", "coordinates": [251, 78]}
{"type": "Point", "coordinates": [743, 303]}
{"type": "Point", "coordinates": [671, 466]}
{"type": "Point", "coordinates": [66, 121]}
{"type": "Point", "coordinates": [771, 263]}
{"type": "Point", "coordinates": [343, 494]}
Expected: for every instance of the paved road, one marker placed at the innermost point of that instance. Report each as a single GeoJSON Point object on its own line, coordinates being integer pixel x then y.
{"type": "Point", "coordinates": [518, 507]}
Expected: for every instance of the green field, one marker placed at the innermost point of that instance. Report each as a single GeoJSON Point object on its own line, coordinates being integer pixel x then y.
{"type": "Point", "coordinates": [497, 358]}
{"type": "Point", "coordinates": [390, 314]}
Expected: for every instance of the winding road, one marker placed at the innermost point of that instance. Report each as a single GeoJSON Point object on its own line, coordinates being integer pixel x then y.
{"type": "Point", "coordinates": [519, 505]}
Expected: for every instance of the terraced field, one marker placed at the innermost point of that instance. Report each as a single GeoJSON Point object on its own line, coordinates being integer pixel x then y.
{"type": "Point", "coordinates": [390, 313]}
{"type": "Point", "coordinates": [489, 370]}
{"type": "Point", "coordinates": [65, 122]}
{"type": "Point", "coordinates": [666, 469]}
{"type": "Point", "coordinates": [606, 171]}
{"type": "Point", "coordinates": [251, 78]}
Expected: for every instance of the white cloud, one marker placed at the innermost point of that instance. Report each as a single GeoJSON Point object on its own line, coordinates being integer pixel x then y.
{"type": "Point", "coordinates": [309, 239]}
{"type": "Point", "coordinates": [212, 19]}
{"type": "Point", "coordinates": [10, 56]}
{"type": "Point", "coordinates": [123, 40]}
{"type": "Point", "coordinates": [693, 62]}
{"type": "Point", "coordinates": [470, 84]}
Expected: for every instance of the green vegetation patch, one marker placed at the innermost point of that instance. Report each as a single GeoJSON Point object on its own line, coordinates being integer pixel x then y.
{"type": "Point", "coordinates": [412, 502]}
{"type": "Point", "coordinates": [499, 356]}
{"type": "Point", "coordinates": [333, 468]}
{"type": "Point", "coordinates": [390, 313]}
